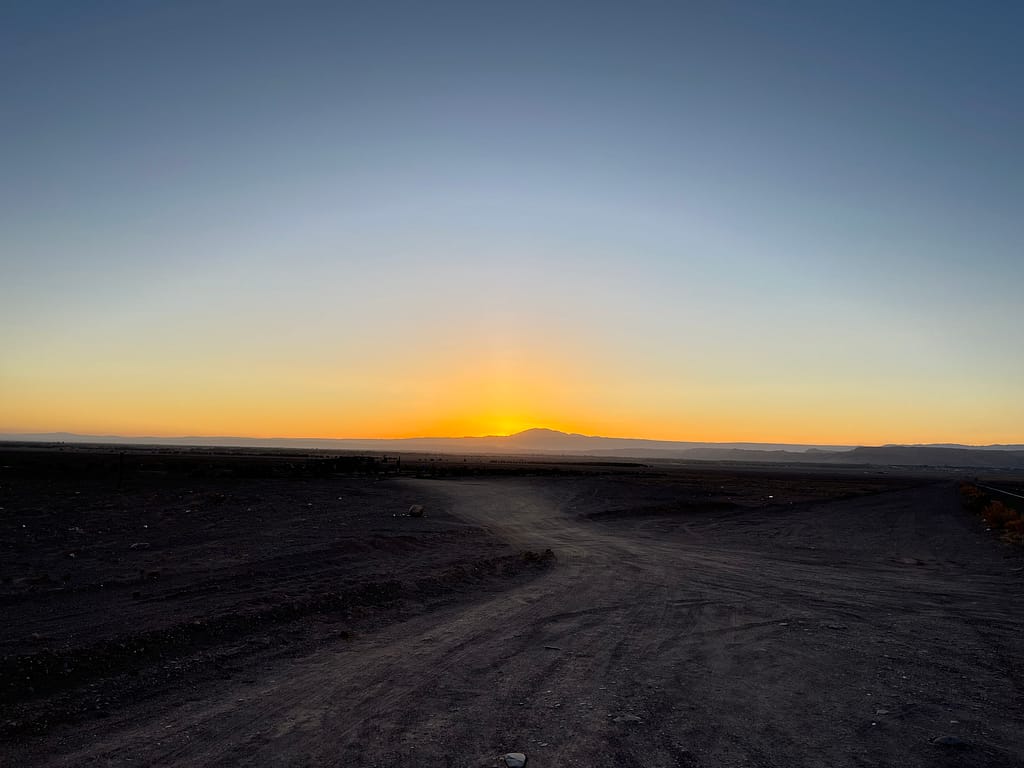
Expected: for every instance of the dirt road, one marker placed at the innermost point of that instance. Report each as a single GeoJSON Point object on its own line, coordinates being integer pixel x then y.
{"type": "Point", "coordinates": [843, 633]}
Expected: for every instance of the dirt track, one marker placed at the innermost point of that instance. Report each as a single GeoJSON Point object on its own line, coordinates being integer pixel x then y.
{"type": "Point", "coordinates": [850, 632]}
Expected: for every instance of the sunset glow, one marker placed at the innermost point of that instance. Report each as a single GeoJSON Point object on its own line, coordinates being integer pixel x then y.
{"type": "Point", "coordinates": [658, 223]}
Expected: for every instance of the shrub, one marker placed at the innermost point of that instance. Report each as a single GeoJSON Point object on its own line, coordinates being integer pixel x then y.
{"type": "Point", "coordinates": [997, 514]}
{"type": "Point", "coordinates": [973, 497]}
{"type": "Point", "coordinates": [1014, 531]}
{"type": "Point", "coordinates": [1015, 527]}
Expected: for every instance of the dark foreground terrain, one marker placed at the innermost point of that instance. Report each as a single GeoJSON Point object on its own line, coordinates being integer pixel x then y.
{"type": "Point", "coordinates": [175, 608]}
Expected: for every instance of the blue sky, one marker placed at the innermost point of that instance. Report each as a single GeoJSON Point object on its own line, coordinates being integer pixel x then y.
{"type": "Point", "coordinates": [707, 221]}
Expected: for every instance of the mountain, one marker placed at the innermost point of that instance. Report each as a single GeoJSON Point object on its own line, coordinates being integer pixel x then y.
{"type": "Point", "coordinates": [549, 440]}
{"type": "Point", "coordinates": [1017, 447]}
{"type": "Point", "coordinates": [528, 441]}
{"type": "Point", "coordinates": [552, 442]}
{"type": "Point", "coordinates": [935, 456]}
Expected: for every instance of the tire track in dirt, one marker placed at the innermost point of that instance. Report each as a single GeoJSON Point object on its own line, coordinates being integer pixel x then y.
{"type": "Point", "coordinates": [695, 644]}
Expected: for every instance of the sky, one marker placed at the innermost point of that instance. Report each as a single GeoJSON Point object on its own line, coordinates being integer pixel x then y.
{"type": "Point", "coordinates": [792, 222]}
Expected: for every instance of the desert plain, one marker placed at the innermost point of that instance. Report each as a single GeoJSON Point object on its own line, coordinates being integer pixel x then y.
{"type": "Point", "coordinates": [173, 607]}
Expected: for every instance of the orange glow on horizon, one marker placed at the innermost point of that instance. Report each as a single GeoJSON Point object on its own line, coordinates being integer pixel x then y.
{"type": "Point", "coordinates": [470, 425]}
{"type": "Point", "coordinates": [561, 240]}
{"type": "Point", "coordinates": [503, 393]}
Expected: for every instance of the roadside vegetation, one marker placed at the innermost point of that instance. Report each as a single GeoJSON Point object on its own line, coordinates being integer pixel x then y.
{"type": "Point", "coordinates": [998, 515]}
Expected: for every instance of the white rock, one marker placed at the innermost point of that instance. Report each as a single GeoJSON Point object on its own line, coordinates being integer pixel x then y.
{"type": "Point", "coordinates": [515, 760]}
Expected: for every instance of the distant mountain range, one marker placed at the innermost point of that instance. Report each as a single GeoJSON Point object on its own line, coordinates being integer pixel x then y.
{"type": "Point", "coordinates": [551, 442]}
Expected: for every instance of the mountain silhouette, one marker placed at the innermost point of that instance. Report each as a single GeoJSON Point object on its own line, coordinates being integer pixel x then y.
{"type": "Point", "coordinates": [550, 442]}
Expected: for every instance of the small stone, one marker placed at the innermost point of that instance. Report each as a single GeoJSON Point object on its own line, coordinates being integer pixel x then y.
{"type": "Point", "coordinates": [949, 741]}
{"type": "Point", "coordinates": [627, 719]}
{"type": "Point", "coordinates": [514, 760]}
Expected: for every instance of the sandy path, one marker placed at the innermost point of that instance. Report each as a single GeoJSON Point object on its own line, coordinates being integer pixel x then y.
{"type": "Point", "coordinates": [847, 633]}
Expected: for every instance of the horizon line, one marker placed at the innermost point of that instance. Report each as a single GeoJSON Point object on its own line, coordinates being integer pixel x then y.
{"type": "Point", "coordinates": [33, 436]}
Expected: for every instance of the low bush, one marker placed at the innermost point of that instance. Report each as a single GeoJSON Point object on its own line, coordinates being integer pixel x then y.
{"type": "Point", "coordinates": [973, 497]}
{"type": "Point", "coordinates": [1014, 531]}
{"type": "Point", "coordinates": [997, 514]}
